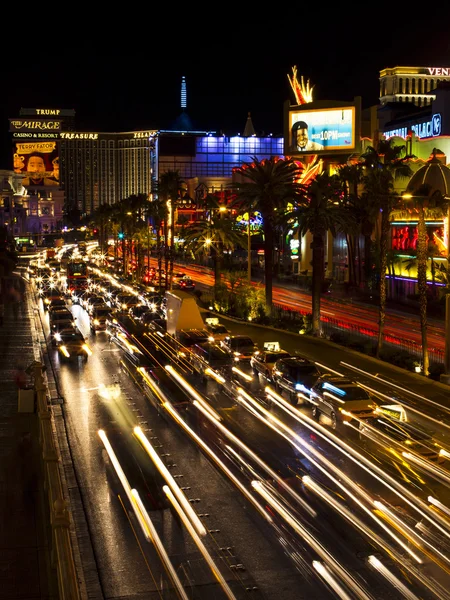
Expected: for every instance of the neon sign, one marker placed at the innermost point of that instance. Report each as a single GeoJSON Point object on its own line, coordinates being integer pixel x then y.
{"type": "Point", "coordinates": [428, 129]}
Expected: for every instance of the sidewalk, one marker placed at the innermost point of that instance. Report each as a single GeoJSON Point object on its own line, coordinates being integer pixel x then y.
{"type": "Point", "coordinates": [25, 532]}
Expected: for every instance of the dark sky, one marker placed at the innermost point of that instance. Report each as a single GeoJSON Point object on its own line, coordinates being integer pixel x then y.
{"type": "Point", "coordinates": [127, 79]}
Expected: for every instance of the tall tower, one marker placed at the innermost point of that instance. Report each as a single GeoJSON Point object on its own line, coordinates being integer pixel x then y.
{"type": "Point", "coordinates": [183, 93]}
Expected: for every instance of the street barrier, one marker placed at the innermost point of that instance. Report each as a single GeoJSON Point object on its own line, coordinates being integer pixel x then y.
{"type": "Point", "coordinates": [62, 552]}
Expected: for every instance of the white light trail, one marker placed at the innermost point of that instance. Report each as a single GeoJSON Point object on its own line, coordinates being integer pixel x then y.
{"type": "Point", "coordinates": [124, 481]}
{"type": "Point", "coordinates": [198, 542]}
{"type": "Point", "coordinates": [190, 390]}
{"type": "Point", "coordinates": [310, 540]}
{"type": "Point", "coordinates": [393, 580]}
{"type": "Point", "coordinates": [330, 580]}
{"type": "Point", "coordinates": [171, 482]}
{"type": "Point", "coordinates": [242, 374]}
{"type": "Point", "coordinates": [160, 547]}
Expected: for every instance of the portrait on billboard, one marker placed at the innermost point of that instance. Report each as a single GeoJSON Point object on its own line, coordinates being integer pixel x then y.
{"type": "Point", "coordinates": [323, 129]}
{"type": "Point", "coordinates": [300, 138]}
{"type": "Point", "coordinates": [39, 162]}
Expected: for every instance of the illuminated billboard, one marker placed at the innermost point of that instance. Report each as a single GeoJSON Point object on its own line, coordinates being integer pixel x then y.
{"type": "Point", "coordinates": [38, 161]}
{"type": "Point", "coordinates": [322, 129]}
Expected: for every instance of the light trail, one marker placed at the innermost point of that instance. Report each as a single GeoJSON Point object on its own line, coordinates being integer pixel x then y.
{"type": "Point", "coordinates": [198, 542]}
{"type": "Point", "coordinates": [311, 540]}
{"type": "Point", "coordinates": [330, 580]}
{"type": "Point", "coordinates": [399, 387]}
{"type": "Point", "coordinates": [393, 580]}
{"type": "Point", "coordinates": [375, 537]}
{"type": "Point", "coordinates": [272, 474]}
{"type": "Point", "coordinates": [192, 392]}
{"type": "Point", "coordinates": [181, 498]}
{"type": "Point", "coordinates": [160, 548]}
{"type": "Point", "coordinates": [374, 470]}
{"type": "Point", "coordinates": [124, 481]}
{"type": "Point", "coordinates": [292, 437]}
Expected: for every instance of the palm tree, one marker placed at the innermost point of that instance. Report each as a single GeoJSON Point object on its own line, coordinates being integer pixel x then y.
{"type": "Point", "coordinates": [381, 167]}
{"type": "Point", "coordinates": [169, 191]}
{"type": "Point", "coordinates": [121, 216]}
{"type": "Point", "coordinates": [271, 184]}
{"type": "Point", "coordinates": [424, 199]}
{"type": "Point", "coordinates": [101, 218]}
{"type": "Point", "coordinates": [322, 210]}
{"type": "Point", "coordinates": [156, 213]}
{"type": "Point", "coordinates": [214, 236]}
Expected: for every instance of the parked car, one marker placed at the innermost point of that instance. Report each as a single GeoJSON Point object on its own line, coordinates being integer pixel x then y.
{"type": "Point", "coordinates": [210, 354]}
{"type": "Point", "coordinates": [332, 394]}
{"type": "Point", "coordinates": [263, 361]}
{"type": "Point", "coordinates": [295, 375]}
{"type": "Point", "coordinates": [216, 330]}
{"type": "Point", "coordinates": [240, 347]}
{"type": "Point", "coordinates": [71, 344]}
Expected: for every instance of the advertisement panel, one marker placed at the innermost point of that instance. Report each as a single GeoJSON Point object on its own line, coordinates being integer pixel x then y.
{"type": "Point", "coordinates": [322, 129]}
{"type": "Point", "coordinates": [39, 161]}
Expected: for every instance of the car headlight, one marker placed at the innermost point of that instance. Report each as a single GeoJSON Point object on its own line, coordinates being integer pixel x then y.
{"type": "Point", "coordinates": [64, 351]}
{"type": "Point", "coordinates": [58, 337]}
{"type": "Point", "coordinates": [87, 349]}
{"type": "Point", "coordinates": [124, 306]}
{"type": "Point", "coordinates": [47, 301]}
{"type": "Point", "coordinates": [96, 322]}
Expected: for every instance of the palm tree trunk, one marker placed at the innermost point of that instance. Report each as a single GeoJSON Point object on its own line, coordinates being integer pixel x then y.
{"type": "Point", "coordinates": [318, 258]}
{"type": "Point", "coordinates": [422, 259]}
{"type": "Point", "coordinates": [382, 286]}
{"type": "Point", "coordinates": [159, 252]}
{"type": "Point", "coordinates": [268, 262]}
{"type": "Point", "coordinates": [367, 260]}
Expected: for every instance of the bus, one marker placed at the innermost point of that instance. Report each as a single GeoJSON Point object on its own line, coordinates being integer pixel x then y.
{"type": "Point", "coordinates": [77, 275]}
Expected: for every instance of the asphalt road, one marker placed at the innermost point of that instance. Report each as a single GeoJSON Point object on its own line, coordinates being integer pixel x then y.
{"type": "Point", "coordinates": [273, 557]}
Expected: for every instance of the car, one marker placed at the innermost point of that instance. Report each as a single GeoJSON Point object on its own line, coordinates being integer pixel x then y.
{"type": "Point", "coordinates": [217, 331]}
{"type": "Point", "coordinates": [70, 343]}
{"type": "Point", "coordinates": [210, 355]}
{"type": "Point", "coordinates": [60, 319]}
{"type": "Point", "coordinates": [410, 437]}
{"type": "Point", "coordinates": [55, 302]}
{"type": "Point", "coordinates": [176, 277]}
{"type": "Point", "coordinates": [186, 283]}
{"type": "Point", "coordinates": [189, 337]}
{"type": "Point", "coordinates": [263, 361]}
{"type": "Point", "coordinates": [137, 311]}
{"type": "Point", "coordinates": [98, 318]}
{"type": "Point", "coordinates": [158, 325]}
{"type": "Point", "coordinates": [123, 302]}
{"type": "Point", "coordinates": [241, 348]}
{"type": "Point", "coordinates": [49, 294]}
{"type": "Point", "coordinates": [295, 375]}
{"type": "Point", "coordinates": [91, 303]}
{"type": "Point", "coordinates": [340, 399]}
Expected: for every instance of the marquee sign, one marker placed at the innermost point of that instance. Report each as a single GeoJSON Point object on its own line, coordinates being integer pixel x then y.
{"type": "Point", "coordinates": [34, 125]}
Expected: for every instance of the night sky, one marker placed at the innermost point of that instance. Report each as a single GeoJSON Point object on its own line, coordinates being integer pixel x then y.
{"type": "Point", "coordinates": [128, 80]}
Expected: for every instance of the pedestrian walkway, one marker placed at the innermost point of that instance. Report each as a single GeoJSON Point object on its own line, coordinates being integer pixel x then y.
{"type": "Point", "coordinates": [26, 572]}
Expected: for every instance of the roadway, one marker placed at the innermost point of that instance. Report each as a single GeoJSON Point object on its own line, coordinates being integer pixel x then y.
{"type": "Point", "coordinates": [318, 485]}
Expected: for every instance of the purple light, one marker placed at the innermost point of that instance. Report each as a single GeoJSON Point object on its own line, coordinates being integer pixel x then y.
{"type": "Point", "coordinates": [412, 280]}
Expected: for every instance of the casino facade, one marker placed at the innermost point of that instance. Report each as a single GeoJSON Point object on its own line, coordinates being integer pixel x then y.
{"type": "Point", "coordinates": [57, 168]}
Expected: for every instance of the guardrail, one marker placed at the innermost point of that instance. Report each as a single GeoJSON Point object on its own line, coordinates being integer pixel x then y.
{"type": "Point", "coordinates": [62, 553]}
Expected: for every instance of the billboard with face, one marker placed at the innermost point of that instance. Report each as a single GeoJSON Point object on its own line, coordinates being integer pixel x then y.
{"type": "Point", "coordinates": [322, 129]}
{"type": "Point", "coordinates": [39, 161]}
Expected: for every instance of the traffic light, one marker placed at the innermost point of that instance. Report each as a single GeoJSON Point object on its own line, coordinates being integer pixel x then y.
{"type": "Point", "coordinates": [121, 235]}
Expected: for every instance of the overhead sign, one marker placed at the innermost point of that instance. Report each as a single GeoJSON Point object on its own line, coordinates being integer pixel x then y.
{"type": "Point", "coordinates": [323, 129]}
